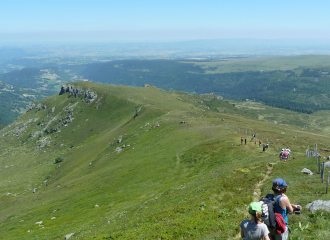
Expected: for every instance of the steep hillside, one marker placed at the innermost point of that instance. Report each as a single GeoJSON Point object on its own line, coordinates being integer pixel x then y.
{"type": "Point", "coordinates": [115, 162]}
{"type": "Point", "coordinates": [13, 100]}
{"type": "Point", "coordinates": [19, 88]}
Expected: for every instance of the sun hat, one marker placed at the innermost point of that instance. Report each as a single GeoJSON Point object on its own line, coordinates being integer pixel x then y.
{"type": "Point", "coordinates": [254, 206]}
{"type": "Point", "coordinates": [280, 183]}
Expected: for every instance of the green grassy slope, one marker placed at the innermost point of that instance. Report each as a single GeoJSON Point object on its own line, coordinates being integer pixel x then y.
{"type": "Point", "coordinates": [171, 181]}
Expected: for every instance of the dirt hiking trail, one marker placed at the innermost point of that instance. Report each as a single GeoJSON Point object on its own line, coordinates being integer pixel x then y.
{"type": "Point", "coordinates": [257, 192]}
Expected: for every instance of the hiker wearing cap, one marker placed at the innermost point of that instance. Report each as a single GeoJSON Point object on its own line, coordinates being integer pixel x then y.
{"type": "Point", "coordinates": [282, 205]}
{"type": "Point", "coordinates": [254, 229]}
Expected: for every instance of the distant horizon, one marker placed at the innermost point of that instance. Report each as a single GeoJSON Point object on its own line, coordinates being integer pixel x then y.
{"type": "Point", "coordinates": [127, 37]}
{"type": "Point", "coordinates": [144, 20]}
{"type": "Point", "coordinates": [83, 41]}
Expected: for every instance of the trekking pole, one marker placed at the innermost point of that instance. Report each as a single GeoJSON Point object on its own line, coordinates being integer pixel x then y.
{"type": "Point", "coordinates": [328, 182]}
{"type": "Point", "coordinates": [319, 165]}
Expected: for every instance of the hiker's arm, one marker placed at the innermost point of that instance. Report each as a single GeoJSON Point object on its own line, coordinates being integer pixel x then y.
{"type": "Point", "coordinates": [285, 202]}
{"type": "Point", "coordinates": [296, 206]}
{"type": "Point", "coordinates": [267, 238]}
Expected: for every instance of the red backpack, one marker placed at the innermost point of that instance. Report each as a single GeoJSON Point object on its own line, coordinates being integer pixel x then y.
{"type": "Point", "coordinates": [280, 223]}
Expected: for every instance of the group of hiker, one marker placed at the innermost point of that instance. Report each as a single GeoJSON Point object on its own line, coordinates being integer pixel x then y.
{"type": "Point", "coordinates": [255, 142]}
{"type": "Point", "coordinates": [284, 154]}
{"type": "Point", "coordinates": [269, 216]}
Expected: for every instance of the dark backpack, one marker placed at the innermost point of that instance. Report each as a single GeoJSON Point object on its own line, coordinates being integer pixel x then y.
{"type": "Point", "coordinates": [268, 211]}
{"type": "Point", "coordinates": [273, 221]}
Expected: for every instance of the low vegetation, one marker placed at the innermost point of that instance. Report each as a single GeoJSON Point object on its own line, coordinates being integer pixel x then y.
{"type": "Point", "coordinates": [177, 171]}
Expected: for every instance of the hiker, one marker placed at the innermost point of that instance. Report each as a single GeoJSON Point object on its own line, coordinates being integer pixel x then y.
{"type": "Point", "coordinates": [260, 143]}
{"type": "Point", "coordinates": [254, 229]}
{"type": "Point", "coordinates": [241, 140]}
{"type": "Point", "coordinates": [283, 206]}
{"type": "Point", "coordinates": [288, 151]}
{"type": "Point", "coordinates": [285, 155]}
{"type": "Point", "coordinates": [245, 141]}
{"type": "Point", "coordinates": [265, 147]}
{"type": "Point", "coordinates": [253, 136]}
{"type": "Point", "coordinates": [281, 154]}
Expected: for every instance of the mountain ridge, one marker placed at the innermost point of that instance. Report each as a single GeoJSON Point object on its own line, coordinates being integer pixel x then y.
{"type": "Point", "coordinates": [177, 170]}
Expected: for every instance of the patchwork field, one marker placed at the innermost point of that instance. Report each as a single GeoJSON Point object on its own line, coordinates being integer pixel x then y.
{"type": "Point", "coordinates": [265, 64]}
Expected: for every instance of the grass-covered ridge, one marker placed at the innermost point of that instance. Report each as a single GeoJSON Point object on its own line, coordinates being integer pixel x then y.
{"type": "Point", "coordinates": [170, 181]}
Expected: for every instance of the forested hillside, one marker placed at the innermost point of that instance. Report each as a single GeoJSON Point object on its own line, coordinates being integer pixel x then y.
{"type": "Point", "coordinates": [21, 87]}
{"type": "Point", "coordinates": [14, 100]}
{"type": "Point", "coordinates": [296, 87]}
{"type": "Point", "coordinates": [303, 90]}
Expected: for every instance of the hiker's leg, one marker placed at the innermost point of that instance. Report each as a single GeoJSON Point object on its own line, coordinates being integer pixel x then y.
{"type": "Point", "coordinates": [283, 236]}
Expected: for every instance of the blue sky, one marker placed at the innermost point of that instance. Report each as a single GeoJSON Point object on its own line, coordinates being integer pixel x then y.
{"type": "Point", "coordinates": [46, 20]}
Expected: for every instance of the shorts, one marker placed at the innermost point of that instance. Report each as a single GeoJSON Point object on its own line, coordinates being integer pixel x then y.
{"type": "Point", "coordinates": [283, 236]}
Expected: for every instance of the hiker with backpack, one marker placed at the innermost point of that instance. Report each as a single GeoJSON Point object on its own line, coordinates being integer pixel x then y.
{"type": "Point", "coordinates": [283, 206]}
{"type": "Point", "coordinates": [254, 229]}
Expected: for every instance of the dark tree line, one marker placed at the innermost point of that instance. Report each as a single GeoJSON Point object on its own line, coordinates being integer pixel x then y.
{"type": "Point", "coordinates": [282, 89]}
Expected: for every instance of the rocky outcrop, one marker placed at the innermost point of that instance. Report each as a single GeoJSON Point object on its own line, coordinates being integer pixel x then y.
{"type": "Point", "coordinates": [327, 164]}
{"type": "Point", "coordinates": [90, 95]}
{"type": "Point", "coordinates": [39, 106]}
{"type": "Point", "coordinates": [78, 91]}
{"type": "Point", "coordinates": [37, 133]}
{"type": "Point", "coordinates": [319, 205]}
{"type": "Point", "coordinates": [68, 236]}
{"type": "Point", "coordinates": [137, 112]}
{"type": "Point", "coordinates": [307, 171]}
{"type": "Point", "coordinates": [73, 91]}
{"type": "Point", "coordinates": [30, 106]}
{"type": "Point", "coordinates": [118, 149]}
{"type": "Point", "coordinates": [64, 89]}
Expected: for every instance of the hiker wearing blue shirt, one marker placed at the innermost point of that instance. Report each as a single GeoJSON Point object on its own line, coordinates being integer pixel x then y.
{"type": "Point", "coordinates": [283, 205]}
{"type": "Point", "coordinates": [254, 229]}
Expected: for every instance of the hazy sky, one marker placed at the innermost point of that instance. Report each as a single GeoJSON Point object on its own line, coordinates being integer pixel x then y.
{"type": "Point", "coordinates": [46, 20]}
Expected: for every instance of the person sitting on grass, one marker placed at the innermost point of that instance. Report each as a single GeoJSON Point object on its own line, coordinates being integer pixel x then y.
{"type": "Point", "coordinates": [254, 229]}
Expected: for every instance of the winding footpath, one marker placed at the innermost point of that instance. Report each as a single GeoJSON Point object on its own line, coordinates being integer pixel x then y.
{"type": "Point", "coordinates": [256, 197]}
